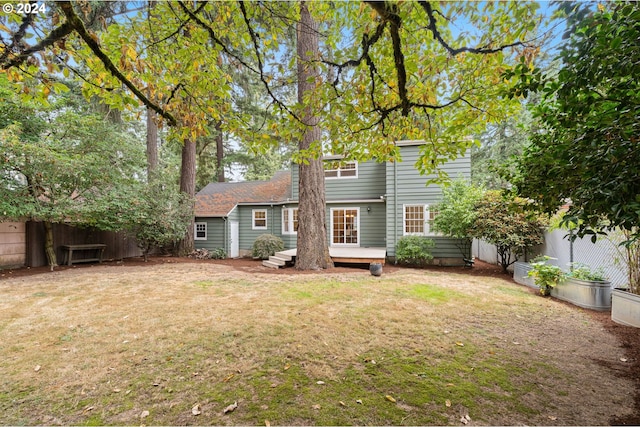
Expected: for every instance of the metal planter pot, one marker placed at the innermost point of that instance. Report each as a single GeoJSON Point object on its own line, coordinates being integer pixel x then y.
{"type": "Point", "coordinates": [584, 293]}
{"type": "Point", "coordinates": [520, 274]}
{"type": "Point", "coordinates": [625, 308]}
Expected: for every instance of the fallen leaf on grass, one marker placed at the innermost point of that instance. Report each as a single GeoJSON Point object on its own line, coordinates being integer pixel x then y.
{"type": "Point", "coordinates": [144, 414]}
{"type": "Point", "coordinates": [342, 403]}
{"type": "Point", "coordinates": [459, 344]}
{"type": "Point", "coordinates": [447, 403]}
{"type": "Point", "coordinates": [286, 367]}
{"type": "Point", "coordinates": [196, 410]}
{"type": "Point", "coordinates": [390, 398]}
{"type": "Point", "coordinates": [230, 408]}
{"type": "Point", "coordinates": [37, 368]}
{"type": "Point", "coordinates": [228, 378]}
{"type": "Point", "coordinates": [316, 407]}
{"type": "Point", "coordinates": [553, 418]}
{"type": "Point", "coordinates": [320, 382]}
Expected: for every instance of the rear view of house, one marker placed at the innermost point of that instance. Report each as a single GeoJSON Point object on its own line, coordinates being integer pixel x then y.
{"type": "Point", "coordinates": [368, 205]}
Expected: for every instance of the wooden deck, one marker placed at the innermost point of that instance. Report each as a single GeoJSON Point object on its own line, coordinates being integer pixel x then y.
{"type": "Point", "coordinates": [342, 254]}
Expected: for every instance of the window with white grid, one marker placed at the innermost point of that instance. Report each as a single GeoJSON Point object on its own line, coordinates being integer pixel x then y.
{"type": "Point", "coordinates": [340, 169]}
{"type": "Point", "coordinates": [259, 219]}
{"type": "Point", "coordinates": [415, 220]}
{"type": "Point", "coordinates": [289, 221]}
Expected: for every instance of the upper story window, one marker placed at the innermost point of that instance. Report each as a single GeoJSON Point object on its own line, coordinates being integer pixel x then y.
{"type": "Point", "coordinates": [259, 219]}
{"type": "Point", "coordinates": [340, 169]}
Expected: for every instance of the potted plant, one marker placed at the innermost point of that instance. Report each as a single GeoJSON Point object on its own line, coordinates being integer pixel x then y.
{"type": "Point", "coordinates": [585, 288]}
{"type": "Point", "coordinates": [521, 274]}
{"type": "Point", "coordinates": [546, 276]}
{"type": "Point", "coordinates": [625, 302]}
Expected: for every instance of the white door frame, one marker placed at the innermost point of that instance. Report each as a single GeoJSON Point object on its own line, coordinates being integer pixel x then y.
{"type": "Point", "coordinates": [357, 227]}
{"type": "Point", "coordinates": [234, 239]}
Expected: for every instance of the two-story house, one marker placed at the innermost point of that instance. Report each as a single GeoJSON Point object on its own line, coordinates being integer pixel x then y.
{"type": "Point", "coordinates": [368, 205]}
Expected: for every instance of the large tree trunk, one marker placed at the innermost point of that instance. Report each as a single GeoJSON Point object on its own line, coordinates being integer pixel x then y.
{"type": "Point", "coordinates": [188, 185]}
{"type": "Point", "coordinates": [49, 248]}
{"type": "Point", "coordinates": [313, 249]}
{"type": "Point", "coordinates": [219, 151]}
{"type": "Point", "coordinates": [152, 143]}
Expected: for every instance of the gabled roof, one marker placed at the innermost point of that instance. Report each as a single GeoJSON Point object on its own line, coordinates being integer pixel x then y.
{"type": "Point", "coordinates": [219, 198]}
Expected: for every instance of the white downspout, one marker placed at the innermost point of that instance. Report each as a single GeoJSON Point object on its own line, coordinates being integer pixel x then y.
{"type": "Point", "coordinates": [395, 209]}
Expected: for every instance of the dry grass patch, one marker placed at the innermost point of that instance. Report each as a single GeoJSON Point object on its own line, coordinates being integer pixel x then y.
{"type": "Point", "coordinates": [176, 344]}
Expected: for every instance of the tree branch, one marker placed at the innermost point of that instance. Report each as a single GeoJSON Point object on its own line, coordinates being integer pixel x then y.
{"type": "Point", "coordinates": [367, 43]}
{"type": "Point", "coordinates": [256, 47]}
{"type": "Point", "coordinates": [426, 6]}
{"type": "Point", "coordinates": [78, 26]}
{"type": "Point", "coordinates": [56, 34]}
{"type": "Point", "coordinates": [17, 37]}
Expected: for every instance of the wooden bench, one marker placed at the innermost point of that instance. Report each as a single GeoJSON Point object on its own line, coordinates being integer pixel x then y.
{"type": "Point", "coordinates": [97, 248]}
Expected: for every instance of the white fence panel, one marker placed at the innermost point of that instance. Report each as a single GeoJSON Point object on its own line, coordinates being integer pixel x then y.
{"type": "Point", "coordinates": [605, 253]}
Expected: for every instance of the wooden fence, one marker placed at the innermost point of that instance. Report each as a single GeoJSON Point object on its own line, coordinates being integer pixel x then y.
{"type": "Point", "coordinates": [119, 245]}
{"type": "Point", "coordinates": [13, 244]}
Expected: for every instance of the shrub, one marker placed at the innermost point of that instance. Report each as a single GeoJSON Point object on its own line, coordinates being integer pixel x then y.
{"type": "Point", "coordinates": [584, 272]}
{"type": "Point", "coordinates": [457, 214]}
{"type": "Point", "coordinates": [414, 250]}
{"type": "Point", "coordinates": [267, 245]}
{"type": "Point", "coordinates": [218, 253]}
{"type": "Point", "coordinates": [511, 223]}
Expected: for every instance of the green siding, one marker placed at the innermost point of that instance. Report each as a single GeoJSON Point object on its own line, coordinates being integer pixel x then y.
{"type": "Point", "coordinates": [247, 234]}
{"type": "Point", "coordinates": [215, 234]}
{"type": "Point", "coordinates": [446, 248]}
{"type": "Point", "coordinates": [372, 223]}
{"type": "Point", "coordinates": [405, 185]}
{"type": "Point", "coordinates": [399, 182]}
{"type": "Point", "coordinates": [370, 183]}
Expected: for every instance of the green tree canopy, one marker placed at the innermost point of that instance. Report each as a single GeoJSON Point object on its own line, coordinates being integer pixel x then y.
{"type": "Point", "coordinates": [509, 223]}
{"type": "Point", "coordinates": [588, 150]}
{"type": "Point", "coordinates": [456, 213]}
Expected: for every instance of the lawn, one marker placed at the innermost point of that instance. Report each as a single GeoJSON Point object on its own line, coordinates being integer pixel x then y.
{"type": "Point", "coordinates": [180, 344]}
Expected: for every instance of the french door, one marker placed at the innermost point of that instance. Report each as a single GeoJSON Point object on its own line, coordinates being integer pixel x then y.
{"type": "Point", "coordinates": [345, 226]}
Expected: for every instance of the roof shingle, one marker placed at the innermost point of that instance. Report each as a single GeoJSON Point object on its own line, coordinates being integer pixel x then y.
{"type": "Point", "coordinates": [218, 198]}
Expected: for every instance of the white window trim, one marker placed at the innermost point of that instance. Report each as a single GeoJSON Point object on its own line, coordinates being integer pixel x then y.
{"type": "Point", "coordinates": [253, 219]}
{"type": "Point", "coordinates": [339, 172]}
{"type": "Point", "coordinates": [353, 245]}
{"type": "Point", "coordinates": [291, 231]}
{"type": "Point", "coordinates": [425, 226]}
{"type": "Point", "coordinates": [195, 231]}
